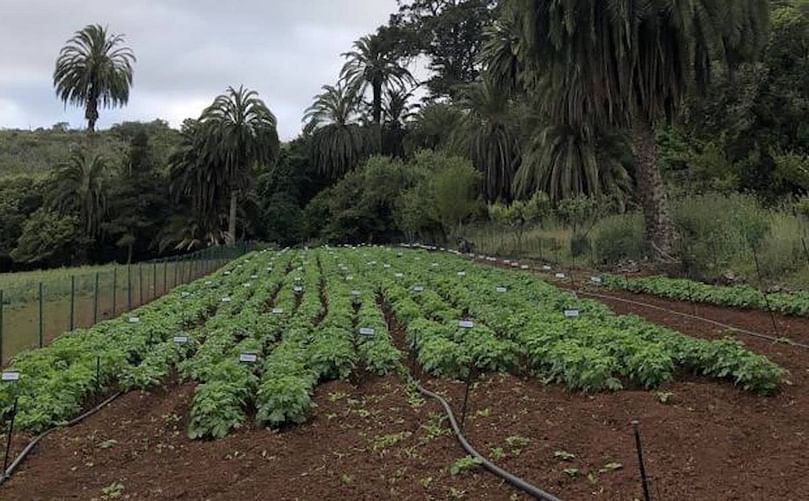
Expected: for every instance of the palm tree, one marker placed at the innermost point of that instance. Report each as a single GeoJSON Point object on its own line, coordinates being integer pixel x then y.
{"type": "Point", "coordinates": [489, 136]}
{"type": "Point", "coordinates": [374, 64]}
{"type": "Point", "coordinates": [566, 162]}
{"type": "Point", "coordinates": [94, 69]}
{"type": "Point", "coordinates": [240, 133]}
{"type": "Point", "coordinates": [397, 112]}
{"type": "Point", "coordinates": [432, 127]}
{"type": "Point", "coordinates": [79, 187]}
{"type": "Point", "coordinates": [339, 143]}
{"type": "Point", "coordinates": [629, 64]}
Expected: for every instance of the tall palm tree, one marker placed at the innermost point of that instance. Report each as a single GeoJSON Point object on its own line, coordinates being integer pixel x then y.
{"type": "Point", "coordinates": [339, 143]}
{"type": "Point", "coordinates": [397, 112]}
{"type": "Point", "coordinates": [79, 187]}
{"type": "Point", "coordinates": [629, 64]}
{"type": "Point", "coordinates": [240, 134]}
{"type": "Point", "coordinates": [374, 64]}
{"type": "Point", "coordinates": [489, 136]}
{"type": "Point", "coordinates": [94, 69]}
{"type": "Point", "coordinates": [432, 127]}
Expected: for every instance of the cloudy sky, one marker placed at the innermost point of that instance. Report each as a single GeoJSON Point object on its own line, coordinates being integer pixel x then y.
{"type": "Point", "coordinates": [188, 52]}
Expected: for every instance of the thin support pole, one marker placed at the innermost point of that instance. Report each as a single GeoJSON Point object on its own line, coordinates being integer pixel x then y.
{"type": "Point", "coordinates": [72, 302]}
{"type": "Point", "coordinates": [154, 280]}
{"type": "Point", "coordinates": [165, 276]}
{"type": "Point", "coordinates": [140, 283]}
{"type": "Point", "coordinates": [469, 377]}
{"type": "Point", "coordinates": [8, 437]}
{"type": "Point", "coordinates": [2, 306]}
{"type": "Point", "coordinates": [176, 263]}
{"type": "Point", "coordinates": [41, 317]}
{"type": "Point", "coordinates": [114, 290]}
{"type": "Point", "coordinates": [644, 479]}
{"type": "Point", "coordinates": [763, 292]}
{"type": "Point", "coordinates": [129, 287]}
{"type": "Point", "coordinates": [95, 301]}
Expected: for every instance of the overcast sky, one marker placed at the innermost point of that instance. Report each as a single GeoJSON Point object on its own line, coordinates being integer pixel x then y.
{"type": "Point", "coordinates": [188, 51]}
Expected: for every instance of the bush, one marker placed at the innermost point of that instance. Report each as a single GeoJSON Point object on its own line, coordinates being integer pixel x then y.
{"type": "Point", "coordinates": [619, 237]}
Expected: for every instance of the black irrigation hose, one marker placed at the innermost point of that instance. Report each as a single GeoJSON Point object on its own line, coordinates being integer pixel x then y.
{"type": "Point", "coordinates": [28, 448]}
{"type": "Point", "coordinates": [508, 477]}
{"type": "Point", "coordinates": [701, 319]}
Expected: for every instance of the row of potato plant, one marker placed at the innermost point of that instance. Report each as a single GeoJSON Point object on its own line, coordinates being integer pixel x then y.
{"type": "Point", "coordinates": [737, 296]}
{"type": "Point", "coordinates": [589, 348]}
{"type": "Point", "coordinates": [55, 381]}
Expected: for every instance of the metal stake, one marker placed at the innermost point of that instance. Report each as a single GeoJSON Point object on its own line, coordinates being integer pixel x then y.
{"type": "Point", "coordinates": [644, 480]}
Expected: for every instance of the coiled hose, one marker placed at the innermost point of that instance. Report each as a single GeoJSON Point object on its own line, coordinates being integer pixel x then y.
{"type": "Point", "coordinates": [28, 448]}
{"type": "Point", "coordinates": [493, 468]}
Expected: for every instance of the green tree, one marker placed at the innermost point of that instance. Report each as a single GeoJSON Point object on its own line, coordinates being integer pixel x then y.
{"type": "Point", "coordinates": [137, 200]}
{"type": "Point", "coordinates": [79, 187]}
{"type": "Point", "coordinates": [49, 239]}
{"type": "Point", "coordinates": [432, 127]}
{"type": "Point", "coordinates": [450, 33]}
{"type": "Point", "coordinates": [94, 69]}
{"type": "Point", "coordinates": [376, 65]}
{"type": "Point", "coordinates": [629, 65]}
{"type": "Point", "coordinates": [338, 142]}
{"type": "Point", "coordinates": [454, 190]}
{"type": "Point", "coordinates": [521, 213]}
{"type": "Point", "coordinates": [490, 137]}
{"type": "Point", "coordinates": [240, 135]}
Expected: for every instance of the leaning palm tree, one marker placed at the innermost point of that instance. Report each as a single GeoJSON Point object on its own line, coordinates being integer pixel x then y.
{"type": "Point", "coordinates": [629, 64]}
{"type": "Point", "coordinates": [489, 136]}
{"type": "Point", "coordinates": [94, 69]}
{"type": "Point", "coordinates": [240, 134]}
{"type": "Point", "coordinates": [339, 143]}
{"type": "Point", "coordinates": [373, 64]}
{"type": "Point", "coordinates": [79, 187]}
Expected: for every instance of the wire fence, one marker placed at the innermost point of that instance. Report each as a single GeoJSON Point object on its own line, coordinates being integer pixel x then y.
{"type": "Point", "coordinates": [35, 313]}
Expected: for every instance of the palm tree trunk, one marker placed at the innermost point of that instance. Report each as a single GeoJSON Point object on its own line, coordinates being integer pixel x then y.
{"type": "Point", "coordinates": [377, 111]}
{"type": "Point", "coordinates": [652, 193]}
{"type": "Point", "coordinates": [91, 114]}
{"type": "Point", "coordinates": [231, 238]}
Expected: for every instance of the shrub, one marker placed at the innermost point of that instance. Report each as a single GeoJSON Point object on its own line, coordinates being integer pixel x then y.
{"type": "Point", "coordinates": [619, 237]}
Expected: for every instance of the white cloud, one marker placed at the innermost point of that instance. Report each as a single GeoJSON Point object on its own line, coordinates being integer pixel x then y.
{"type": "Point", "coordinates": [188, 52]}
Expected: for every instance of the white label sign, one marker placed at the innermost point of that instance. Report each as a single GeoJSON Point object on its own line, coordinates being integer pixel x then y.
{"type": "Point", "coordinates": [507, 261]}
{"type": "Point", "coordinates": [367, 331]}
{"type": "Point", "coordinates": [185, 294]}
{"type": "Point", "coordinates": [355, 293]}
{"type": "Point", "coordinates": [297, 289]}
{"type": "Point", "coordinates": [597, 280]}
{"type": "Point", "coordinates": [227, 273]}
{"type": "Point", "coordinates": [571, 313]}
{"type": "Point", "coordinates": [514, 265]}
{"type": "Point", "coordinates": [466, 324]}
{"type": "Point", "coordinates": [11, 376]}
{"type": "Point", "coordinates": [546, 268]}
{"type": "Point", "coordinates": [461, 273]}
{"type": "Point", "coordinates": [277, 311]}
{"type": "Point", "coordinates": [418, 288]}
{"type": "Point", "coordinates": [180, 339]}
{"type": "Point", "coordinates": [134, 320]}
{"type": "Point", "coordinates": [249, 358]}
{"type": "Point", "coordinates": [225, 299]}
{"type": "Point", "coordinates": [560, 275]}
{"type": "Point", "coordinates": [501, 289]}
{"type": "Point", "coordinates": [524, 267]}
{"type": "Point", "coordinates": [399, 275]}
{"type": "Point", "coordinates": [253, 277]}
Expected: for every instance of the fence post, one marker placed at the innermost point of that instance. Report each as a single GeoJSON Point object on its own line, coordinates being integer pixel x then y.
{"type": "Point", "coordinates": [128, 287]}
{"type": "Point", "coordinates": [2, 305]}
{"type": "Point", "coordinates": [165, 276]}
{"type": "Point", "coordinates": [175, 271]}
{"type": "Point", "coordinates": [154, 280]}
{"type": "Point", "coordinates": [41, 326]}
{"type": "Point", "coordinates": [140, 283]}
{"type": "Point", "coordinates": [72, 301]}
{"type": "Point", "coordinates": [114, 290]}
{"type": "Point", "coordinates": [95, 302]}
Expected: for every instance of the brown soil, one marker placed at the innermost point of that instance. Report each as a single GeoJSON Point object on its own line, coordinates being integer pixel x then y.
{"type": "Point", "coordinates": [710, 441]}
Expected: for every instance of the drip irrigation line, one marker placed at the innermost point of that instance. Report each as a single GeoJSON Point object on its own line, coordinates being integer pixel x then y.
{"type": "Point", "coordinates": [28, 448]}
{"type": "Point", "coordinates": [493, 468]}
{"type": "Point", "coordinates": [701, 319]}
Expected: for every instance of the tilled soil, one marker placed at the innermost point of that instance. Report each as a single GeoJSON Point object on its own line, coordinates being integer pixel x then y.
{"type": "Point", "coordinates": [702, 439]}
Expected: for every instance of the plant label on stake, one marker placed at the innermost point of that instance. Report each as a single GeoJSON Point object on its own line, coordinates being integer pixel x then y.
{"type": "Point", "coordinates": [597, 280]}
{"type": "Point", "coordinates": [297, 289]}
{"type": "Point", "coordinates": [546, 268]}
{"type": "Point", "coordinates": [466, 324]}
{"type": "Point", "coordinates": [418, 288]}
{"type": "Point", "coordinates": [248, 358]}
{"type": "Point", "coordinates": [572, 313]}
{"type": "Point", "coordinates": [501, 289]}
{"type": "Point", "coordinates": [277, 311]}
{"type": "Point", "coordinates": [355, 293]}
{"type": "Point", "coordinates": [225, 299]}
{"type": "Point", "coordinates": [367, 332]}
{"type": "Point", "coordinates": [524, 267]}
{"type": "Point", "coordinates": [461, 273]}
{"type": "Point", "coordinates": [180, 339]}
{"type": "Point", "coordinates": [560, 275]}
{"type": "Point", "coordinates": [399, 275]}
{"type": "Point", "coordinates": [10, 376]}
{"type": "Point", "coordinates": [134, 320]}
